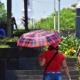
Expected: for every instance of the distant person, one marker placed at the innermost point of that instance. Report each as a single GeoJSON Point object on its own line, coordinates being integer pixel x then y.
{"type": "Point", "coordinates": [13, 24]}
{"type": "Point", "coordinates": [56, 65]}
{"type": "Point", "coordinates": [23, 20]}
{"type": "Point", "coordinates": [2, 33]}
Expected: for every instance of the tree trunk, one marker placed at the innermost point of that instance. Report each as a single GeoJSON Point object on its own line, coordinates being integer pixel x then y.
{"type": "Point", "coordinates": [26, 14]}
{"type": "Point", "coordinates": [9, 7]}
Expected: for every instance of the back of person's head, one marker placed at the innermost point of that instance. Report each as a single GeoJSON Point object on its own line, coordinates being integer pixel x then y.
{"type": "Point", "coordinates": [52, 47]}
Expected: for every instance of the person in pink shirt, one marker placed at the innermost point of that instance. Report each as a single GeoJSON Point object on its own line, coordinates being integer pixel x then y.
{"type": "Point", "coordinates": [55, 67]}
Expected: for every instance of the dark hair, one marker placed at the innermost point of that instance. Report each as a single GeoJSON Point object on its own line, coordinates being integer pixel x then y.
{"type": "Point", "coordinates": [52, 47]}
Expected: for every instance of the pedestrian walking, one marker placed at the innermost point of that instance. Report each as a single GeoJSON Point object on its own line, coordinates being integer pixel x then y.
{"type": "Point", "coordinates": [13, 24]}
{"type": "Point", "coordinates": [54, 64]}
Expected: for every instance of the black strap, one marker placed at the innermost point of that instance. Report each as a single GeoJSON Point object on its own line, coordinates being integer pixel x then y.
{"type": "Point", "coordinates": [50, 61]}
{"type": "Point", "coordinates": [52, 58]}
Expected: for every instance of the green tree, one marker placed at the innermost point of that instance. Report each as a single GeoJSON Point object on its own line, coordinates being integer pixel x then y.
{"type": "Point", "coordinates": [67, 20]}
{"type": "Point", "coordinates": [3, 12]}
{"type": "Point", "coordinates": [3, 16]}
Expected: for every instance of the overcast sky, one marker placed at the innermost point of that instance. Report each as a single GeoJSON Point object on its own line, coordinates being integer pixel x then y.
{"type": "Point", "coordinates": [39, 8]}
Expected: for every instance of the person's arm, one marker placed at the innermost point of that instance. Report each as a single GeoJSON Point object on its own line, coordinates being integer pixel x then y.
{"type": "Point", "coordinates": [41, 59]}
{"type": "Point", "coordinates": [42, 62]}
{"type": "Point", "coordinates": [66, 70]}
{"type": "Point", "coordinates": [79, 58]}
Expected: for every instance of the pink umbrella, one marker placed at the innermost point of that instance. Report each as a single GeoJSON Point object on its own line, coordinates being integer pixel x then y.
{"type": "Point", "coordinates": [38, 38]}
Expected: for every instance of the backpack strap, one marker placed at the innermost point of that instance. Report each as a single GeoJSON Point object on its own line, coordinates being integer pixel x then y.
{"type": "Point", "coordinates": [52, 58]}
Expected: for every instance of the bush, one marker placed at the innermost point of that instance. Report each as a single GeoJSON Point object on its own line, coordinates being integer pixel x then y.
{"type": "Point", "coordinates": [69, 45]}
{"type": "Point", "coordinates": [4, 46]}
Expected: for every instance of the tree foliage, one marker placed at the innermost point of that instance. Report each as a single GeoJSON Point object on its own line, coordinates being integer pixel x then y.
{"type": "Point", "coordinates": [67, 20]}
{"type": "Point", "coordinates": [3, 12]}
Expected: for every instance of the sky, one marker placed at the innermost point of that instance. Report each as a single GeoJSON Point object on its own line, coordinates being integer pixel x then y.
{"type": "Point", "coordinates": [37, 8]}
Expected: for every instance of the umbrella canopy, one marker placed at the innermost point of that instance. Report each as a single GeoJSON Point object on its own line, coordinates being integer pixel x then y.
{"type": "Point", "coordinates": [38, 38]}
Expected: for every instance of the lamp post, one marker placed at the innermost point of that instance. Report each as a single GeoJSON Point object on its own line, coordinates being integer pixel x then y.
{"type": "Point", "coordinates": [59, 16]}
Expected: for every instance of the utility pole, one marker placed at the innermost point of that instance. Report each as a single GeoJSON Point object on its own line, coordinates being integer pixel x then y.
{"type": "Point", "coordinates": [26, 14]}
{"type": "Point", "coordinates": [54, 16]}
{"type": "Point", "coordinates": [32, 12]}
{"type": "Point", "coordinates": [33, 23]}
{"type": "Point", "coordinates": [59, 16]}
{"type": "Point", "coordinates": [9, 11]}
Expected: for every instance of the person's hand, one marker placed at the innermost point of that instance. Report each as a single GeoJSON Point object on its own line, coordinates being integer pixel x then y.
{"type": "Point", "coordinates": [70, 79]}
